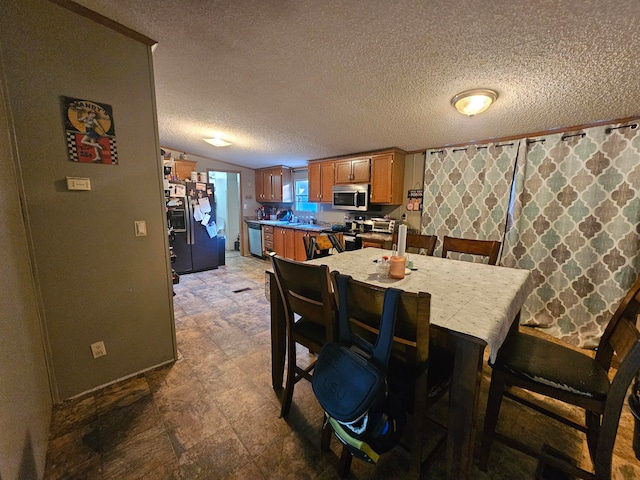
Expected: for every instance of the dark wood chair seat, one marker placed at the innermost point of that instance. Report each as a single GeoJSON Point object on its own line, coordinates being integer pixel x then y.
{"type": "Point", "coordinates": [530, 358]}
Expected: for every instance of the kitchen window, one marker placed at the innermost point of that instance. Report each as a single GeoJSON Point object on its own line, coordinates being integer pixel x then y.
{"type": "Point", "coordinates": [302, 197]}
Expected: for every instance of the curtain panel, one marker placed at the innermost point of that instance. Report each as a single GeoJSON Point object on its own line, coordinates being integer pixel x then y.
{"type": "Point", "coordinates": [466, 191]}
{"type": "Point", "coordinates": [575, 223]}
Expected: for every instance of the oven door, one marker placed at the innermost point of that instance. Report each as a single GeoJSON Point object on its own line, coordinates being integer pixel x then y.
{"type": "Point", "coordinates": [351, 241]}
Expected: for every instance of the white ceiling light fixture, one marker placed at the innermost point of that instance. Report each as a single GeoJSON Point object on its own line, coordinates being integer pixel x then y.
{"type": "Point", "coordinates": [217, 142]}
{"type": "Point", "coordinates": [472, 102]}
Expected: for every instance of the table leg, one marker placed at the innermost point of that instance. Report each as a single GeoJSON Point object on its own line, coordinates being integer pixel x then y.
{"type": "Point", "coordinates": [463, 402]}
{"type": "Point", "coordinates": [278, 340]}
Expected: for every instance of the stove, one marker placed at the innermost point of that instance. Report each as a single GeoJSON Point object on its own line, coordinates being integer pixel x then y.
{"type": "Point", "coordinates": [352, 240]}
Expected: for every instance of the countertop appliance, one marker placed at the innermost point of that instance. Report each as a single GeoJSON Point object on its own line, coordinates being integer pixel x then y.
{"type": "Point", "coordinates": [383, 225]}
{"type": "Point", "coordinates": [361, 224]}
{"type": "Point", "coordinates": [191, 214]}
{"type": "Point", "coordinates": [351, 197]}
{"type": "Point", "coordinates": [255, 238]}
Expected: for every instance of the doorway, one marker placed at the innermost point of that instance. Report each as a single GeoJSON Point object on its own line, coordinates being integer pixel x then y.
{"type": "Point", "coordinates": [228, 204]}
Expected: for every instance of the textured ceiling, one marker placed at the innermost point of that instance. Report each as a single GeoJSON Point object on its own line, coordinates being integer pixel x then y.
{"type": "Point", "coordinates": [291, 80]}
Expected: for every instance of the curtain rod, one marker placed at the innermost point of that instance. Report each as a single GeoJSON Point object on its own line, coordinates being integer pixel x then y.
{"type": "Point", "coordinates": [633, 126]}
{"type": "Point", "coordinates": [536, 134]}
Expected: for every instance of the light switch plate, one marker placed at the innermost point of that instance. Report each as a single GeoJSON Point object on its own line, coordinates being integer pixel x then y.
{"type": "Point", "coordinates": [78, 183]}
{"type": "Point", "coordinates": [141, 228]}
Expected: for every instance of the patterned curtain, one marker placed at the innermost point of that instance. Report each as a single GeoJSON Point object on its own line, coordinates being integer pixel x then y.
{"type": "Point", "coordinates": [575, 224]}
{"type": "Point", "coordinates": [466, 191]}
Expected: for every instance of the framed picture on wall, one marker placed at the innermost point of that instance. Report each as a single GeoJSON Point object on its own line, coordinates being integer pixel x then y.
{"type": "Point", "coordinates": [90, 131]}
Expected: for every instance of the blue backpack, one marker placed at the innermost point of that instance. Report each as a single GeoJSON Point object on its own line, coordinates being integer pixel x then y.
{"type": "Point", "coordinates": [350, 383]}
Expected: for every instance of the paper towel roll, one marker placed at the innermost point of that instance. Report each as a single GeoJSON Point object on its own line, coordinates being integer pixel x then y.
{"type": "Point", "coordinates": [402, 240]}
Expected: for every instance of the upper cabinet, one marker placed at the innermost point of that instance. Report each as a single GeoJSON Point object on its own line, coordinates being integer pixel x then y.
{"type": "Point", "coordinates": [382, 169]}
{"type": "Point", "coordinates": [353, 170]}
{"type": "Point", "coordinates": [387, 178]}
{"type": "Point", "coordinates": [274, 184]}
{"type": "Point", "coordinates": [182, 169]}
{"type": "Point", "coordinates": [320, 181]}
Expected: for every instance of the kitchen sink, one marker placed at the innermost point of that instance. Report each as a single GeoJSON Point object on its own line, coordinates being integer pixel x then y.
{"type": "Point", "coordinates": [308, 225]}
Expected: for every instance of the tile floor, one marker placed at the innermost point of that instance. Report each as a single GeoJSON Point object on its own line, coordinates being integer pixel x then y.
{"type": "Point", "coordinates": [213, 414]}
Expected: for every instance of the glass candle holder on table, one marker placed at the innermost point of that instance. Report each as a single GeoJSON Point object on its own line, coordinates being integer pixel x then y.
{"type": "Point", "coordinates": [382, 268]}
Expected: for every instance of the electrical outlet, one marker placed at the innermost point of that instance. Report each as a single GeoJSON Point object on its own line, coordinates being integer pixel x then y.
{"type": "Point", "coordinates": [98, 349]}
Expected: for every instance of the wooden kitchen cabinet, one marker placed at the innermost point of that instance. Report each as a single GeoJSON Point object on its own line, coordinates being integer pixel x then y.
{"type": "Point", "coordinates": [182, 169]}
{"type": "Point", "coordinates": [387, 178]}
{"type": "Point", "coordinates": [274, 184]}
{"type": "Point", "coordinates": [300, 253]}
{"type": "Point", "coordinates": [285, 242]}
{"type": "Point", "coordinates": [320, 181]}
{"type": "Point", "coordinates": [354, 170]}
{"type": "Point", "coordinates": [268, 244]}
{"type": "Point", "coordinates": [259, 181]}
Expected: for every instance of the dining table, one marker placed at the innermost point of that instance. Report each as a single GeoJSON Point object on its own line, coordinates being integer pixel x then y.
{"type": "Point", "coordinates": [475, 304]}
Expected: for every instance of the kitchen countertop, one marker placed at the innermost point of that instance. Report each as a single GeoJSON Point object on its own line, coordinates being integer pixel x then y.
{"type": "Point", "coordinates": [385, 237]}
{"type": "Point", "coordinates": [297, 226]}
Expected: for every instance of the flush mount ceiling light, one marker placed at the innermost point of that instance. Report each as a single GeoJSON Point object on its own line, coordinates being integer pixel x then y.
{"type": "Point", "coordinates": [474, 101]}
{"type": "Point", "coordinates": [217, 142]}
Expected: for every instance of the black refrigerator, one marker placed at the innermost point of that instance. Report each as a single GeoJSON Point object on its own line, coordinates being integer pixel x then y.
{"type": "Point", "coordinates": [191, 216]}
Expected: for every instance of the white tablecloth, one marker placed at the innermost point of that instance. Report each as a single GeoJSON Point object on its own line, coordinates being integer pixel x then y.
{"type": "Point", "coordinates": [469, 298]}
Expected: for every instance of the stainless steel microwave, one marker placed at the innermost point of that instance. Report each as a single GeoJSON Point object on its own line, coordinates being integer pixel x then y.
{"type": "Point", "coordinates": [351, 197]}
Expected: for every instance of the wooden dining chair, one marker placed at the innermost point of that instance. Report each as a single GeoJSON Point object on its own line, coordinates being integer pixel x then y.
{"type": "Point", "coordinates": [417, 376]}
{"type": "Point", "coordinates": [533, 364]}
{"type": "Point", "coordinates": [337, 240]}
{"type": "Point", "coordinates": [417, 242]}
{"type": "Point", "coordinates": [371, 243]}
{"type": "Point", "coordinates": [320, 246]}
{"type": "Point", "coordinates": [310, 314]}
{"type": "Point", "coordinates": [485, 248]}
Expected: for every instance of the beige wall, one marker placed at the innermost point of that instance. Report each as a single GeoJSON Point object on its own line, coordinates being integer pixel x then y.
{"type": "Point", "coordinates": [25, 402]}
{"type": "Point", "coordinates": [95, 279]}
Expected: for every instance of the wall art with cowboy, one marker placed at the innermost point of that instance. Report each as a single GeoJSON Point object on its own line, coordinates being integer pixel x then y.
{"type": "Point", "coordinates": [90, 131]}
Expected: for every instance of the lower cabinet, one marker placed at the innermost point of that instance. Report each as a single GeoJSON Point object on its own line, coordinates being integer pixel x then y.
{"type": "Point", "coordinates": [299, 251]}
{"type": "Point", "coordinates": [267, 238]}
{"type": "Point", "coordinates": [288, 242]}
{"type": "Point", "coordinates": [284, 242]}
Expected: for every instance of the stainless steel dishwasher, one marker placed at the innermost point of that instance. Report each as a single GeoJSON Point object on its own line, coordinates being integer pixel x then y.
{"type": "Point", "coordinates": [255, 238]}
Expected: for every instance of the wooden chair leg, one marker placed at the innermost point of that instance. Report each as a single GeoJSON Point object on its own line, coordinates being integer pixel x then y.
{"type": "Point", "coordinates": [325, 441]}
{"type": "Point", "coordinates": [593, 423]}
{"type": "Point", "coordinates": [496, 390]}
{"type": "Point", "coordinates": [344, 466]}
{"type": "Point", "coordinates": [291, 380]}
{"type": "Point", "coordinates": [417, 427]}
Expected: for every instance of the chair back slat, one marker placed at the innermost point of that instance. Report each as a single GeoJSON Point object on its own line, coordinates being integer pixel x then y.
{"type": "Point", "coordinates": [621, 333]}
{"type": "Point", "coordinates": [411, 335]}
{"type": "Point", "coordinates": [487, 248]}
{"type": "Point", "coordinates": [316, 246]}
{"type": "Point", "coordinates": [306, 290]}
{"type": "Point", "coordinates": [418, 242]}
{"type": "Point", "coordinates": [624, 338]}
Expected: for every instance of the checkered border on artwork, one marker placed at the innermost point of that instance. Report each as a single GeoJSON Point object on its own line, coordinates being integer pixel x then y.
{"type": "Point", "coordinates": [72, 147]}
